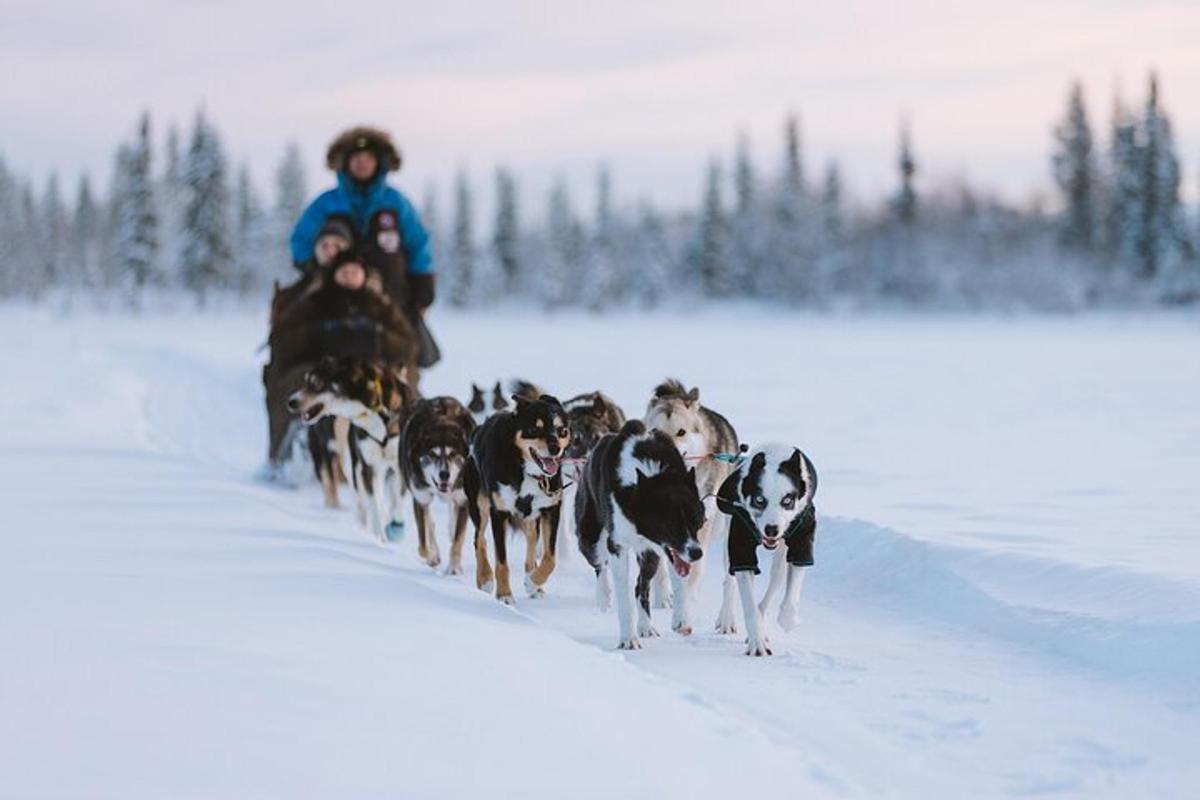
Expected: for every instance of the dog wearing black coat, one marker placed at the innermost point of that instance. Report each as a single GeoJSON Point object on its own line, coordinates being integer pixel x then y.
{"type": "Point", "coordinates": [769, 500]}
{"type": "Point", "coordinates": [513, 480]}
{"type": "Point", "coordinates": [434, 447]}
{"type": "Point", "coordinates": [638, 500]}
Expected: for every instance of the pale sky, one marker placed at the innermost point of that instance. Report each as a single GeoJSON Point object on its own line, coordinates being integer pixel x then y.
{"type": "Point", "coordinates": [552, 88]}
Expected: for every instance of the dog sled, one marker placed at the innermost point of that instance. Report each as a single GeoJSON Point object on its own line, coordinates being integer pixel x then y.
{"type": "Point", "coordinates": [312, 319]}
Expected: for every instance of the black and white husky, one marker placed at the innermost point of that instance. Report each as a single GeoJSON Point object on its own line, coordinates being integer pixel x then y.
{"type": "Point", "coordinates": [698, 433]}
{"type": "Point", "coordinates": [433, 449]}
{"type": "Point", "coordinates": [769, 501]}
{"type": "Point", "coordinates": [513, 480]}
{"type": "Point", "coordinates": [375, 399]}
{"type": "Point", "coordinates": [638, 500]}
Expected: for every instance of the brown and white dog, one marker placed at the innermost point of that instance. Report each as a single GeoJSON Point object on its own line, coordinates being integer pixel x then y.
{"type": "Point", "coordinates": [513, 480]}
{"type": "Point", "coordinates": [376, 400]}
{"type": "Point", "coordinates": [434, 447]}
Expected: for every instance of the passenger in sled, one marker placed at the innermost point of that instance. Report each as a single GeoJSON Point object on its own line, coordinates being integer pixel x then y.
{"type": "Point", "coordinates": [336, 313]}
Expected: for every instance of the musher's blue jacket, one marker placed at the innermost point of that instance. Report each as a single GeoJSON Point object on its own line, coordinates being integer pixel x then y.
{"type": "Point", "coordinates": [360, 204]}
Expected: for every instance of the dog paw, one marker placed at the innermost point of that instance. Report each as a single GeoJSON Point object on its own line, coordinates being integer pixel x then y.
{"type": "Point", "coordinates": [726, 622]}
{"type": "Point", "coordinates": [536, 593]}
{"type": "Point", "coordinates": [506, 599]}
{"type": "Point", "coordinates": [434, 562]}
{"type": "Point", "coordinates": [488, 586]}
{"type": "Point", "coordinates": [632, 643]}
{"type": "Point", "coordinates": [648, 631]}
{"type": "Point", "coordinates": [452, 569]}
{"type": "Point", "coordinates": [788, 618]}
{"type": "Point", "coordinates": [758, 648]}
{"type": "Point", "coordinates": [682, 628]}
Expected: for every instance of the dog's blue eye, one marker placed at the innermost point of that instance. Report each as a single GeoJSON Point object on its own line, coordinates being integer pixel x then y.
{"type": "Point", "coordinates": [758, 501]}
{"type": "Point", "coordinates": [788, 501]}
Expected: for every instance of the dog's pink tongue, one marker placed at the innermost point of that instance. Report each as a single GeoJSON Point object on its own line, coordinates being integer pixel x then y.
{"type": "Point", "coordinates": [682, 568]}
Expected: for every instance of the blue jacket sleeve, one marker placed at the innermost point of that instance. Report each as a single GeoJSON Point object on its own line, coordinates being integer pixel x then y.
{"type": "Point", "coordinates": [304, 235]}
{"type": "Point", "coordinates": [415, 238]}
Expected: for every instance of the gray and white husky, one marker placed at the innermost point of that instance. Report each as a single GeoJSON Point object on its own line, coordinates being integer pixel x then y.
{"type": "Point", "coordinates": [698, 433]}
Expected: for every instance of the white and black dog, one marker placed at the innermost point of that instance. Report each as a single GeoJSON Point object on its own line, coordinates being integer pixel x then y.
{"type": "Point", "coordinates": [769, 500]}
{"type": "Point", "coordinates": [638, 499]}
{"type": "Point", "coordinates": [434, 447]}
{"type": "Point", "coordinates": [698, 433]}
{"type": "Point", "coordinates": [513, 479]}
{"type": "Point", "coordinates": [376, 400]}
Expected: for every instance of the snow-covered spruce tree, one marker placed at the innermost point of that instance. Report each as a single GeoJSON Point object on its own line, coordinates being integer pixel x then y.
{"type": "Point", "coordinates": [651, 252]}
{"type": "Point", "coordinates": [291, 195]}
{"type": "Point", "coordinates": [506, 235]}
{"type": "Point", "coordinates": [253, 250]}
{"type": "Point", "coordinates": [602, 279]}
{"type": "Point", "coordinates": [793, 163]}
{"type": "Point", "coordinates": [85, 241]}
{"type": "Point", "coordinates": [1074, 164]}
{"type": "Point", "coordinates": [31, 232]}
{"type": "Point", "coordinates": [135, 245]}
{"type": "Point", "coordinates": [832, 221]}
{"type": "Point", "coordinates": [747, 232]}
{"type": "Point", "coordinates": [1160, 231]}
{"type": "Point", "coordinates": [563, 249]}
{"type": "Point", "coordinates": [55, 235]}
{"type": "Point", "coordinates": [904, 204]}
{"type": "Point", "coordinates": [712, 253]}
{"type": "Point", "coordinates": [207, 236]}
{"type": "Point", "coordinates": [833, 233]}
{"type": "Point", "coordinates": [11, 234]}
{"type": "Point", "coordinates": [901, 270]}
{"type": "Point", "coordinates": [172, 198]}
{"type": "Point", "coordinates": [1123, 212]}
{"type": "Point", "coordinates": [787, 262]}
{"type": "Point", "coordinates": [462, 244]}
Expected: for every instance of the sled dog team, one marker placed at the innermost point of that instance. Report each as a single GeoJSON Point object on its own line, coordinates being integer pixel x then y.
{"type": "Point", "coordinates": [647, 497]}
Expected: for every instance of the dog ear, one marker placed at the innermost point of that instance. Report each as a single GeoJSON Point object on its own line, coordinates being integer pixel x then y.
{"type": "Point", "coordinates": [599, 407]}
{"type": "Point", "coordinates": [693, 395]}
{"type": "Point", "coordinates": [551, 399]}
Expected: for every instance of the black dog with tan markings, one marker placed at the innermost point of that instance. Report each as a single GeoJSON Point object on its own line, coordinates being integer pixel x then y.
{"type": "Point", "coordinates": [513, 481]}
{"type": "Point", "coordinates": [434, 448]}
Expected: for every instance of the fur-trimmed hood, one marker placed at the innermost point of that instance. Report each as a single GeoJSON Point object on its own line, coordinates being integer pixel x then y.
{"type": "Point", "coordinates": [363, 137]}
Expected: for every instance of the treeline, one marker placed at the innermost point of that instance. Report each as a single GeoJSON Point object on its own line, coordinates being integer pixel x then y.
{"type": "Point", "coordinates": [1116, 234]}
{"type": "Point", "coordinates": [187, 222]}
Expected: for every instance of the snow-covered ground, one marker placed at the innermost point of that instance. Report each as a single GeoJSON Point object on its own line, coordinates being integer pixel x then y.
{"type": "Point", "coordinates": [1006, 599]}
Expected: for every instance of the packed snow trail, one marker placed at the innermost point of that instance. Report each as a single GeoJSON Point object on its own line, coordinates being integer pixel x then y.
{"type": "Point", "coordinates": [172, 628]}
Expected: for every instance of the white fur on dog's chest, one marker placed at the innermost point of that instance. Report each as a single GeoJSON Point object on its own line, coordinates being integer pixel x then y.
{"type": "Point", "coordinates": [531, 486]}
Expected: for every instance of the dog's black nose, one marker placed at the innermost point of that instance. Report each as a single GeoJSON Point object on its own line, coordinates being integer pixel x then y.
{"type": "Point", "coordinates": [444, 475]}
{"type": "Point", "coordinates": [771, 531]}
{"type": "Point", "coordinates": [553, 447]}
{"type": "Point", "coordinates": [695, 553]}
{"type": "Point", "coordinates": [293, 404]}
